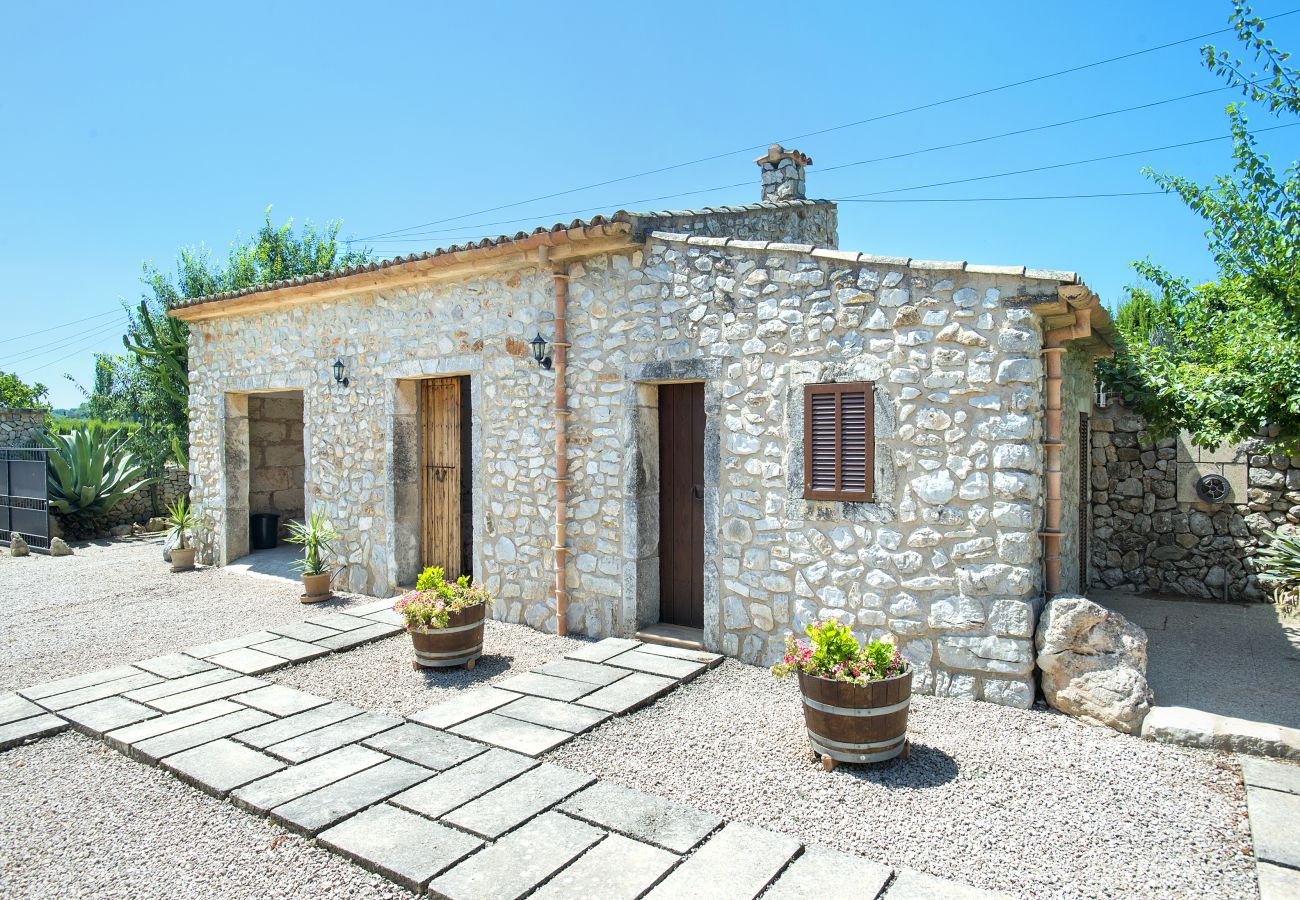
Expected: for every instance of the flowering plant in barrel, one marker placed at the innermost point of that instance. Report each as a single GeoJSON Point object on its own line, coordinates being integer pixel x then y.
{"type": "Point", "coordinates": [855, 697]}
{"type": "Point", "coordinates": [444, 619]}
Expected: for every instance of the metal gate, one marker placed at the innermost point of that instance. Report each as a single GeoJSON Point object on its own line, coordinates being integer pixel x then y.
{"type": "Point", "coordinates": [24, 500]}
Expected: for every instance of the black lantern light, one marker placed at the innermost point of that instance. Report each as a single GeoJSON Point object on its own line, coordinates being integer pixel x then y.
{"type": "Point", "coordinates": [539, 351]}
{"type": "Point", "coordinates": [339, 377]}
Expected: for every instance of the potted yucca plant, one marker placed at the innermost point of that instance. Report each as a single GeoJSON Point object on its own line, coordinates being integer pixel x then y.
{"type": "Point", "coordinates": [855, 697]}
{"type": "Point", "coordinates": [316, 537]}
{"type": "Point", "coordinates": [444, 619]}
{"type": "Point", "coordinates": [183, 521]}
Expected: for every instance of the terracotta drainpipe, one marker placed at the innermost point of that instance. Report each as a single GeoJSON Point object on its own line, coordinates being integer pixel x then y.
{"type": "Point", "coordinates": [560, 353]}
{"type": "Point", "coordinates": [1053, 444]}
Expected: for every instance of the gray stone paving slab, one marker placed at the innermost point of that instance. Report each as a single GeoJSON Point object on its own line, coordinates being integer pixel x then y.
{"type": "Point", "coordinates": [463, 706]}
{"type": "Point", "coordinates": [512, 734]}
{"type": "Point", "coordinates": [399, 845]}
{"type": "Point", "coordinates": [388, 617]}
{"type": "Point", "coordinates": [249, 661]}
{"type": "Point", "coordinates": [241, 684]}
{"type": "Point", "coordinates": [373, 631]}
{"type": "Point", "coordinates": [712, 660]}
{"type": "Point", "coordinates": [295, 781]}
{"type": "Point", "coordinates": [105, 715]}
{"type": "Point", "coordinates": [331, 737]}
{"type": "Point", "coordinates": [654, 664]}
{"type": "Point", "coordinates": [302, 723]}
{"type": "Point", "coordinates": [627, 694]}
{"type": "Point", "coordinates": [13, 708]}
{"type": "Point", "coordinates": [122, 739]}
{"type": "Point", "coordinates": [164, 745]}
{"type": "Point", "coordinates": [603, 650]}
{"type": "Point", "coordinates": [174, 665]}
{"type": "Point", "coordinates": [516, 864]}
{"type": "Point", "coordinates": [1268, 773]}
{"type": "Point", "coordinates": [303, 631]}
{"type": "Point", "coordinates": [547, 686]}
{"type": "Point", "coordinates": [203, 651]}
{"type": "Point", "coordinates": [735, 864]}
{"type": "Point", "coordinates": [212, 675]}
{"type": "Point", "coordinates": [98, 691]}
{"type": "Point", "coordinates": [424, 746]}
{"type": "Point", "coordinates": [455, 787]}
{"type": "Point", "coordinates": [653, 820]}
{"type": "Point", "coordinates": [221, 766]}
{"type": "Point", "coordinates": [338, 621]}
{"type": "Point", "coordinates": [1273, 818]}
{"type": "Point", "coordinates": [554, 714]}
{"type": "Point", "coordinates": [293, 650]}
{"type": "Point", "coordinates": [830, 875]}
{"type": "Point", "coordinates": [314, 812]}
{"type": "Point", "coordinates": [280, 700]}
{"type": "Point", "coordinates": [910, 884]}
{"type": "Point", "coordinates": [576, 670]}
{"type": "Point", "coordinates": [1277, 882]}
{"type": "Point", "coordinates": [617, 868]}
{"type": "Point", "coordinates": [517, 801]}
{"type": "Point", "coordinates": [371, 608]}
{"type": "Point", "coordinates": [75, 682]}
{"type": "Point", "coordinates": [15, 733]}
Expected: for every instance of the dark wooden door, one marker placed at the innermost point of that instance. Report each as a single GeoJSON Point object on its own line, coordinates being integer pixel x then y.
{"type": "Point", "coordinates": [681, 504]}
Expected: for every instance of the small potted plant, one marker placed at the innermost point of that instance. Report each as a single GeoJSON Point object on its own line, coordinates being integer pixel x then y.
{"type": "Point", "coordinates": [315, 536]}
{"type": "Point", "coordinates": [444, 620]}
{"type": "Point", "coordinates": [855, 698]}
{"type": "Point", "coordinates": [182, 522]}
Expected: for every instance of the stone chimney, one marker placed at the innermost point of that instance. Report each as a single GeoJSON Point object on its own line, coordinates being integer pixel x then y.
{"type": "Point", "coordinates": [783, 173]}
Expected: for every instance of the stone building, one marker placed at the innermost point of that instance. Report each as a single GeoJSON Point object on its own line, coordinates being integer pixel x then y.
{"type": "Point", "coordinates": [725, 428]}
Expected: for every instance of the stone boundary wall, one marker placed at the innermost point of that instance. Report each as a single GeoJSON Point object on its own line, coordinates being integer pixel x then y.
{"type": "Point", "coordinates": [1150, 531]}
{"type": "Point", "coordinates": [19, 427]}
{"type": "Point", "coordinates": [811, 222]}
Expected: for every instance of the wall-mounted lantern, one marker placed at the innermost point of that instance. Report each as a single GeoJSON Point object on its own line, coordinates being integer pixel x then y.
{"type": "Point", "coordinates": [339, 377]}
{"type": "Point", "coordinates": [539, 351]}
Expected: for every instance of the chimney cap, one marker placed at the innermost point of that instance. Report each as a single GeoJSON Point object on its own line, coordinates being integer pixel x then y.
{"type": "Point", "coordinates": [776, 153]}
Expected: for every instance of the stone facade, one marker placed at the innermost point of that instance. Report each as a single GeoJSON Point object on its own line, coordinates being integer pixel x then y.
{"type": "Point", "coordinates": [1151, 531]}
{"type": "Point", "coordinates": [20, 427]}
{"type": "Point", "coordinates": [946, 560]}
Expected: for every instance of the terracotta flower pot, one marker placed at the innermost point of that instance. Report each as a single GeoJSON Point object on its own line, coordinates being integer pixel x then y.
{"type": "Point", "coordinates": [461, 642]}
{"type": "Point", "coordinates": [316, 588]}
{"type": "Point", "coordinates": [857, 723]}
{"type": "Point", "coordinates": [182, 560]}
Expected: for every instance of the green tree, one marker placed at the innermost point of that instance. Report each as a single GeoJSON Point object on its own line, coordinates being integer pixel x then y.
{"type": "Point", "coordinates": [18, 394]}
{"type": "Point", "coordinates": [1221, 360]}
{"type": "Point", "coordinates": [151, 383]}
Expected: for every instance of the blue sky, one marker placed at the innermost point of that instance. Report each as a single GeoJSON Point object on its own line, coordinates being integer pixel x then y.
{"type": "Point", "coordinates": [131, 131]}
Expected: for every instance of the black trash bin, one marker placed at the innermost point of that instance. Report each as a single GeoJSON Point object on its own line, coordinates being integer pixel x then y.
{"type": "Point", "coordinates": [263, 531]}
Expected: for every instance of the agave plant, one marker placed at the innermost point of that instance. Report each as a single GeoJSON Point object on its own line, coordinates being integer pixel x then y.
{"type": "Point", "coordinates": [90, 470]}
{"type": "Point", "coordinates": [314, 536]}
{"type": "Point", "coordinates": [1280, 560]}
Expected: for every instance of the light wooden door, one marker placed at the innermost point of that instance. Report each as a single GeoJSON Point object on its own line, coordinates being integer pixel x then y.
{"type": "Point", "coordinates": [441, 463]}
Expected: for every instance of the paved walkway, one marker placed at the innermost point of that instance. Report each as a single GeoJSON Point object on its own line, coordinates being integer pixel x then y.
{"type": "Point", "coordinates": [453, 800]}
{"type": "Point", "coordinates": [1273, 799]}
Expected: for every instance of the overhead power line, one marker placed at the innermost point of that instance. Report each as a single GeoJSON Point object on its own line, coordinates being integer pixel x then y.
{"type": "Point", "coordinates": [61, 345]}
{"type": "Point", "coordinates": [870, 119]}
{"type": "Point", "coordinates": [71, 351]}
{"type": "Point", "coordinates": [1004, 199]}
{"type": "Point", "coordinates": [19, 337]}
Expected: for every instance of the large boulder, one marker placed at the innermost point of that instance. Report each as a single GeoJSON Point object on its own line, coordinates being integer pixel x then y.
{"type": "Point", "coordinates": [1094, 664]}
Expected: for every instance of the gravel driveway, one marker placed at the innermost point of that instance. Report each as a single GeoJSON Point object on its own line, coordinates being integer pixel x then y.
{"type": "Point", "coordinates": [1029, 802]}
{"type": "Point", "coordinates": [117, 602]}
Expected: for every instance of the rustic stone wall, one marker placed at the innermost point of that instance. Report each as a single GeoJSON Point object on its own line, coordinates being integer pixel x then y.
{"type": "Point", "coordinates": [1151, 531]}
{"type": "Point", "coordinates": [20, 427]}
{"type": "Point", "coordinates": [797, 221]}
{"type": "Point", "coordinates": [277, 467]}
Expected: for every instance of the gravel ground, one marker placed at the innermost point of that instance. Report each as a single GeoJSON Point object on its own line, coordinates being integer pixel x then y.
{"type": "Point", "coordinates": [1029, 802]}
{"type": "Point", "coordinates": [82, 820]}
{"type": "Point", "coordinates": [378, 676]}
{"type": "Point", "coordinates": [118, 602]}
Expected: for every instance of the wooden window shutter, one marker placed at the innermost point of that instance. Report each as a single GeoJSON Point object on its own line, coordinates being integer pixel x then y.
{"type": "Point", "coordinates": [839, 457]}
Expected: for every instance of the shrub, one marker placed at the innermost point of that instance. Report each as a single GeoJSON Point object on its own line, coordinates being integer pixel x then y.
{"type": "Point", "coordinates": [836, 655]}
{"type": "Point", "coordinates": [434, 599]}
{"type": "Point", "coordinates": [90, 470]}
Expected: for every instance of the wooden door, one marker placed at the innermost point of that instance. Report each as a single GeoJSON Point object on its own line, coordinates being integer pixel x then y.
{"type": "Point", "coordinates": [440, 479]}
{"type": "Point", "coordinates": [681, 504]}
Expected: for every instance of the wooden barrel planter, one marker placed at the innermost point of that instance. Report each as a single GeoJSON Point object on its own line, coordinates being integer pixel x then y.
{"type": "Point", "coordinates": [460, 643]}
{"type": "Point", "coordinates": [856, 723]}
